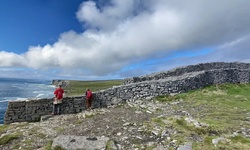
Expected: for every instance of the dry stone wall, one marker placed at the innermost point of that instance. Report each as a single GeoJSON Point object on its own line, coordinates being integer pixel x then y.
{"type": "Point", "coordinates": [180, 81]}
{"type": "Point", "coordinates": [187, 69]}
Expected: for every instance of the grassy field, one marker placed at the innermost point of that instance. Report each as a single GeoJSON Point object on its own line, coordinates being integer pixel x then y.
{"type": "Point", "coordinates": [225, 108]}
{"type": "Point", "coordinates": [77, 88]}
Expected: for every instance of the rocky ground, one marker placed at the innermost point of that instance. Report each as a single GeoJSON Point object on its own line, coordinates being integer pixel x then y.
{"type": "Point", "coordinates": [129, 126]}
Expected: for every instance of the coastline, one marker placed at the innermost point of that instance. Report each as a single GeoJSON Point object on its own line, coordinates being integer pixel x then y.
{"type": "Point", "coordinates": [12, 89]}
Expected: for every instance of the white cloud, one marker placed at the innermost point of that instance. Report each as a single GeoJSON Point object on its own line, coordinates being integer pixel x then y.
{"type": "Point", "coordinates": [128, 31]}
{"type": "Point", "coordinates": [107, 17]}
{"type": "Point", "coordinates": [11, 59]}
{"type": "Point", "coordinates": [238, 50]}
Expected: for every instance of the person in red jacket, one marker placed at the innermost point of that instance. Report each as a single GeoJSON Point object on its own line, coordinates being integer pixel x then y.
{"type": "Point", "coordinates": [89, 96]}
{"type": "Point", "coordinates": [57, 100]}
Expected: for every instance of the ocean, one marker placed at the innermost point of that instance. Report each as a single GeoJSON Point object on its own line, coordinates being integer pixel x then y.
{"type": "Point", "coordinates": [20, 89]}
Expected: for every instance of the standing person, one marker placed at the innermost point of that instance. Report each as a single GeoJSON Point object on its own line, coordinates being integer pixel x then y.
{"type": "Point", "coordinates": [88, 99]}
{"type": "Point", "coordinates": [57, 100]}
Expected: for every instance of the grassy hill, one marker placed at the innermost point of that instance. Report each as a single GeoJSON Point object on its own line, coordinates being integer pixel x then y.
{"type": "Point", "coordinates": [225, 108]}
{"type": "Point", "coordinates": [77, 88]}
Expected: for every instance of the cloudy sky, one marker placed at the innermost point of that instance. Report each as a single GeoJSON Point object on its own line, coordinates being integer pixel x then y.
{"type": "Point", "coordinates": [110, 39]}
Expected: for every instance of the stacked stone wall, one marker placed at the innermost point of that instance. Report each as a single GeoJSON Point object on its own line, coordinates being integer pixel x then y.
{"type": "Point", "coordinates": [32, 110]}
{"type": "Point", "coordinates": [183, 70]}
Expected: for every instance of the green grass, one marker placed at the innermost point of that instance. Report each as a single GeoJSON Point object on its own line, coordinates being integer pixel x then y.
{"type": "Point", "coordinates": [7, 138]}
{"type": "Point", "coordinates": [49, 145]}
{"type": "Point", "coordinates": [58, 148]}
{"type": "Point", "coordinates": [241, 139]}
{"type": "Point", "coordinates": [2, 128]}
{"type": "Point", "coordinates": [223, 107]}
{"type": "Point", "coordinates": [77, 88]}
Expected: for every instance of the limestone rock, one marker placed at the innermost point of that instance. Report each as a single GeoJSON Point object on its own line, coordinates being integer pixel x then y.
{"type": "Point", "coordinates": [80, 142]}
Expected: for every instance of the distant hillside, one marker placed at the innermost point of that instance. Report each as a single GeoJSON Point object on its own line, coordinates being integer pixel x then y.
{"type": "Point", "coordinates": [76, 88]}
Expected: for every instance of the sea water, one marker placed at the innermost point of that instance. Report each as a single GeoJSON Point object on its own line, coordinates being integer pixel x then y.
{"type": "Point", "coordinates": [20, 89]}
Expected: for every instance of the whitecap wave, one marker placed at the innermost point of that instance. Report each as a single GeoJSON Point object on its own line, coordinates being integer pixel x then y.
{"type": "Point", "coordinates": [40, 95]}
{"type": "Point", "coordinates": [18, 99]}
{"type": "Point", "coordinates": [12, 99]}
{"type": "Point", "coordinates": [4, 101]}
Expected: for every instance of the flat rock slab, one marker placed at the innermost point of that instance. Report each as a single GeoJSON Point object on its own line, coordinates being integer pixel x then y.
{"type": "Point", "coordinates": [46, 117]}
{"type": "Point", "coordinates": [80, 142]}
{"type": "Point", "coordinates": [186, 146]}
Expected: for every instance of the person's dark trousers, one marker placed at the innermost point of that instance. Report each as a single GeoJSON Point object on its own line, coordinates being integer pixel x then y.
{"type": "Point", "coordinates": [57, 108]}
{"type": "Point", "coordinates": [88, 103]}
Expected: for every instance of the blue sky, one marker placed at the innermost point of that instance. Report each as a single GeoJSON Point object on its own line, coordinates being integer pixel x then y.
{"type": "Point", "coordinates": [35, 22]}
{"type": "Point", "coordinates": [109, 39]}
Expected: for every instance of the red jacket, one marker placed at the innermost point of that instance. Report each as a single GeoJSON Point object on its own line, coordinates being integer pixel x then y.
{"type": "Point", "coordinates": [59, 93]}
{"type": "Point", "coordinates": [89, 94]}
